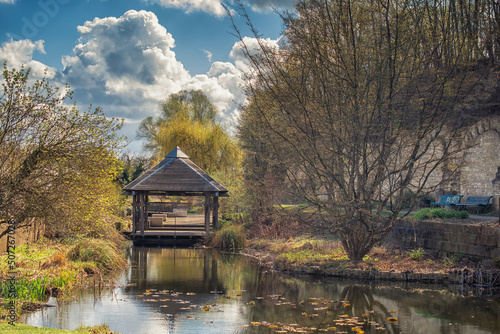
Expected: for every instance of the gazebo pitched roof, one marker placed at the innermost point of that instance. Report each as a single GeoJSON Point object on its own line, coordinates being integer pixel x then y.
{"type": "Point", "coordinates": [176, 174]}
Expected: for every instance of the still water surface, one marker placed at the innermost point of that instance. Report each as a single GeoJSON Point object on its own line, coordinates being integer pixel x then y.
{"type": "Point", "coordinates": [169, 290]}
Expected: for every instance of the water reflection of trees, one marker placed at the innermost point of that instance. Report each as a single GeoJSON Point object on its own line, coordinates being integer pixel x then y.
{"type": "Point", "coordinates": [291, 300]}
{"type": "Point", "coordinates": [418, 310]}
{"type": "Point", "coordinates": [317, 305]}
{"type": "Point", "coordinates": [450, 307]}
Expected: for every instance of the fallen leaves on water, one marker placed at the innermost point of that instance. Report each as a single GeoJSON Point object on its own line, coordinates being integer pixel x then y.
{"type": "Point", "coordinates": [327, 310]}
{"type": "Point", "coordinates": [344, 322]}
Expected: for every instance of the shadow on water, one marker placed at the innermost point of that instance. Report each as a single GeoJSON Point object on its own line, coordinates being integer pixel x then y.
{"type": "Point", "coordinates": [167, 290]}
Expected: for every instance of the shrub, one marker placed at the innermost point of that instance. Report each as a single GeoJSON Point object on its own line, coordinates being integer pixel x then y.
{"type": "Point", "coordinates": [105, 254]}
{"type": "Point", "coordinates": [430, 213]}
{"type": "Point", "coordinates": [230, 237]}
{"type": "Point", "coordinates": [417, 254]}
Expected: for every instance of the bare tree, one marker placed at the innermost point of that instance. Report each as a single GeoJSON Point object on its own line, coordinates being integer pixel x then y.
{"type": "Point", "coordinates": [362, 106]}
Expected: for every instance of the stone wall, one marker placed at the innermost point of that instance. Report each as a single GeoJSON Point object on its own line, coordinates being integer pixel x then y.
{"type": "Point", "coordinates": [476, 240]}
{"type": "Point", "coordinates": [478, 176]}
{"type": "Point", "coordinates": [480, 173]}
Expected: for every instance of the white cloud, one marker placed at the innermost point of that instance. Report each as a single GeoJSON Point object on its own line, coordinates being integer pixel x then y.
{"type": "Point", "coordinates": [8, 1]}
{"type": "Point", "coordinates": [252, 46]}
{"type": "Point", "coordinates": [18, 53]}
{"type": "Point", "coordinates": [127, 66]}
{"type": "Point", "coordinates": [222, 85]}
{"type": "Point", "coordinates": [130, 57]}
{"type": "Point", "coordinates": [211, 6]}
{"type": "Point", "coordinates": [209, 55]}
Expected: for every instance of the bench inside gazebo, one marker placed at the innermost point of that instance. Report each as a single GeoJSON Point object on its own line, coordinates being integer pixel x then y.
{"type": "Point", "coordinates": [176, 175]}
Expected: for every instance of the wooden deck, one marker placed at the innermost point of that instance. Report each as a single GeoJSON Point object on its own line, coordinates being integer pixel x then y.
{"type": "Point", "coordinates": [189, 229]}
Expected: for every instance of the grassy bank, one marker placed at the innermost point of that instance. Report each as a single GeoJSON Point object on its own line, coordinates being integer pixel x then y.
{"type": "Point", "coordinates": [327, 255]}
{"type": "Point", "coordinates": [55, 268]}
{"type": "Point", "coordinates": [26, 329]}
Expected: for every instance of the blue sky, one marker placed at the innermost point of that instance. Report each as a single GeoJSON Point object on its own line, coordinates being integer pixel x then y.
{"type": "Point", "coordinates": [126, 56]}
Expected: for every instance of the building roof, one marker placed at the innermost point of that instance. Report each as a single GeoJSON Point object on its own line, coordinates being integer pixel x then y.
{"type": "Point", "coordinates": [176, 175]}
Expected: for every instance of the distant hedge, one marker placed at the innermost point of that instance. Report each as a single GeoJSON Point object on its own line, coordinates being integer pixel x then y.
{"type": "Point", "coordinates": [430, 213]}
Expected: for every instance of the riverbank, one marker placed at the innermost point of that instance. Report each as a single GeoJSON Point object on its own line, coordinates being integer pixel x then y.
{"type": "Point", "coordinates": [26, 329]}
{"type": "Point", "coordinates": [316, 255]}
{"type": "Point", "coordinates": [30, 274]}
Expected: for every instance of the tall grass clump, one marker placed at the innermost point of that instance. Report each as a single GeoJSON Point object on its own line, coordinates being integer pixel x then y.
{"type": "Point", "coordinates": [230, 237]}
{"type": "Point", "coordinates": [432, 213]}
{"type": "Point", "coordinates": [105, 254]}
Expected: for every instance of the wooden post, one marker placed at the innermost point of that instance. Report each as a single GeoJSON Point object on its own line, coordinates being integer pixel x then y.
{"type": "Point", "coordinates": [141, 212]}
{"type": "Point", "coordinates": [215, 219]}
{"type": "Point", "coordinates": [135, 216]}
{"type": "Point", "coordinates": [207, 212]}
{"type": "Point", "coordinates": [146, 208]}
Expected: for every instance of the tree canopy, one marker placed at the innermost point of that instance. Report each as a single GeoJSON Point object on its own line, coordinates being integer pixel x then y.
{"type": "Point", "coordinates": [189, 120]}
{"type": "Point", "coordinates": [362, 104]}
{"type": "Point", "coordinates": [55, 161]}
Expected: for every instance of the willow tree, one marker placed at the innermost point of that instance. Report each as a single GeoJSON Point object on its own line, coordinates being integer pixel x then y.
{"type": "Point", "coordinates": [189, 120]}
{"type": "Point", "coordinates": [361, 105]}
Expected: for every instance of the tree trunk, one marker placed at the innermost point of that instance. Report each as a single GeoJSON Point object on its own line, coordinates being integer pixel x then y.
{"type": "Point", "coordinates": [357, 241]}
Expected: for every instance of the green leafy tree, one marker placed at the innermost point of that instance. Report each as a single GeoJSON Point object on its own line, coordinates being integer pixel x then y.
{"type": "Point", "coordinates": [364, 102]}
{"type": "Point", "coordinates": [91, 203]}
{"type": "Point", "coordinates": [131, 168]}
{"type": "Point", "coordinates": [189, 120]}
{"type": "Point", "coordinates": [51, 155]}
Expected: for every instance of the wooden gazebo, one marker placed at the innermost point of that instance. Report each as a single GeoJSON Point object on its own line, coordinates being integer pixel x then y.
{"type": "Point", "coordinates": [176, 175]}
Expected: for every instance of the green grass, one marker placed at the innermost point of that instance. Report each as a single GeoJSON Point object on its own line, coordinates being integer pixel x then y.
{"type": "Point", "coordinates": [34, 290]}
{"type": "Point", "coordinates": [26, 329]}
{"type": "Point", "coordinates": [307, 250]}
{"type": "Point", "coordinates": [416, 254]}
{"type": "Point", "coordinates": [52, 268]}
{"type": "Point", "coordinates": [39, 268]}
{"type": "Point", "coordinates": [311, 256]}
{"type": "Point", "coordinates": [433, 213]}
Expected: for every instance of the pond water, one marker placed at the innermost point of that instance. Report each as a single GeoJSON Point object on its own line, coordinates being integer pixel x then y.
{"type": "Point", "coordinates": [168, 290]}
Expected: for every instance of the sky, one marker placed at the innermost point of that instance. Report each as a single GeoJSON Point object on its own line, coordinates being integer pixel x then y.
{"type": "Point", "coordinates": [127, 56]}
